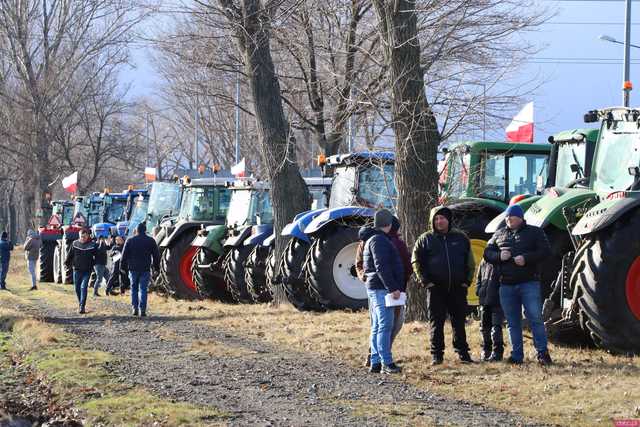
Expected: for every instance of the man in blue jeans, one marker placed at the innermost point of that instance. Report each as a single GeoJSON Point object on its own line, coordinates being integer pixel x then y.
{"type": "Point", "coordinates": [517, 250]}
{"type": "Point", "coordinates": [384, 275]}
{"type": "Point", "coordinates": [139, 254]}
{"type": "Point", "coordinates": [82, 257]}
{"type": "Point", "coordinates": [5, 255]}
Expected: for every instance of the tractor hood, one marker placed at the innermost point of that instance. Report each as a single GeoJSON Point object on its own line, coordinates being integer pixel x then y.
{"type": "Point", "coordinates": [331, 215]}
{"type": "Point", "coordinates": [605, 213]}
{"type": "Point", "coordinates": [300, 223]}
{"type": "Point", "coordinates": [212, 238]}
{"type": "Point", "coordinates": [548, 209]}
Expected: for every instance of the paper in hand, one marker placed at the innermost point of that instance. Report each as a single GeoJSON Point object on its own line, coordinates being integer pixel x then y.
{"type": "Point", "coordinates": [389, 301]}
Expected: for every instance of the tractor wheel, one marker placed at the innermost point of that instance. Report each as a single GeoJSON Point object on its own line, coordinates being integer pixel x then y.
{"type": "Point", "coordinates": [274, 282]}
{"type": "Point", "coordinates": [57, 264]}
{"type": "Point", "coordinates": [255, 274]}
{"type": "Point", "coordinates": [45, 272]}
{"type": "Point", "coordinates": [234, 273]}
{"type": "Point", "coordinates": [330, 270]}
{"type": "Point", "coordinates": [560, 244]}
{"type": "Point", "coordinates": [176, 267]}
{"type": "Point", "coordinates": [157, 283]}
{"type": "Point", "coordinates": [293, 281]}
{"type": "Point", "coordinates": [67, 272]}
{"type": "Point", "coordinates": [608, 278]}
{"type": "Point", "coordinates": [210, 282]}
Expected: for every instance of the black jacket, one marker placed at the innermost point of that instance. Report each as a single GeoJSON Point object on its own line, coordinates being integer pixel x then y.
{"type": "Point", "coordinates": [116, 250]}
{"type": "Point", "coordinates": [101, 252]}
{"type": "Point", "coordinates": [488, 284]}
{"type": "Point", "coordinates": [528, 241]}
{"type": "Point", "coordinates": [5, 250]}
{"type": "Point", "coordinates": [138, 254]}
{"type": "Point", "coordinates": [381, 262]}
{"type": "Point", "coordinates": [82, 256]}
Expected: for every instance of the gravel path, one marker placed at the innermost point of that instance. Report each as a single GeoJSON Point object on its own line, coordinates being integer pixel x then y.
{"type": "Point", "coordinates": [258, 383]}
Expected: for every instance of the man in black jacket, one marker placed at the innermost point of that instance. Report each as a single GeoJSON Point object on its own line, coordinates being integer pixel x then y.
{"type": "Point", "coordinates": [138, 254]}
{"type": "Point", "coordinates": [82, 258]}
{"type": "Point", "coordinates": [100, 267]}
{"type": "Point", "coordinates": [517, 250]}
{"type": "Point", "coordinates": [444, 264]}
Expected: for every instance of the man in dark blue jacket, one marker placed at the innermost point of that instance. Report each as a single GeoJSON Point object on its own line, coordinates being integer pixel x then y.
{"type": "Point", "coordinates": [384, 274]}
{"type": "Point", "coordinates": [5, 256]}
{"type": "Point", "coordinates": [444, 264]}
{"type": "Point", "coordinates": [139, 254]}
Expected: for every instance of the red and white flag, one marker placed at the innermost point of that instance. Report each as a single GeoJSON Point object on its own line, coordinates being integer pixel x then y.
{"type": "Point", "coordinates": [150, 174]}
{"type": "Point", "coordinates": [239, 169]}
{"type": "Point", "coordinates": [521, 127]}
{"type": "Point", "coordinates": [70, 183]}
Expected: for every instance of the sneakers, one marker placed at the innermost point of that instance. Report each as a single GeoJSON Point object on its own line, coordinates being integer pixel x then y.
{"type": "Point", "coordinates": [485, 356]}
{"type": "Point", "coordinates": [544, 359]}
{"type": "Point", "coordinates": [437, 360]}
{"type": "Point", "coordinates": [465, 357]}
{"type": "Point", "coordinates": [495, 357]}
{"type": "Point", "coordinates": [391, 369]}
{"type": "Point", "coordinates": [511, 361]}
{"type": "Point", "coordinates": [81, 310]}
{"type": "Point", "coordinates": [134, 312]}
{"type": "Point", "coordinates": [143, 314]}
{"type": "Point", "coordinates": [376, 368]}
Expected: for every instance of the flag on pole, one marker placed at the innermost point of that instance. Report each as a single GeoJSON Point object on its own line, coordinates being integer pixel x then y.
{"type": "Point", "coordinates": [70, 183]}
{"type": "Point", "coordinates": [521, 127]}
{"type": "Point", "coordinates": [150, 174]}
{"type": "Point", "coordinates": [239, 169]}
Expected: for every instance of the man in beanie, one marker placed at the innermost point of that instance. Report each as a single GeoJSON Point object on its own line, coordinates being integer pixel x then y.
{"type": "Point", "coordinates": [139, 254]}
{"type": "Point", "coordinates": [384, 274]}
{"type": "Point", "coordinates": [5, 255]}
{"type": "Point", "coordinates": [517, 250]}
{"type": "Point", "coordinates": [444, 264]}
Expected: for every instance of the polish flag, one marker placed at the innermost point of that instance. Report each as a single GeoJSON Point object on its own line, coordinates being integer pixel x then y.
{"type": "Point", "coordinates": [521, 127]}
{"type": "Point", "coordinates": [150, 174]}
{"type": "Point", "coordinates": [70, 183]}
{"type": "Point", "coordinates": [239, 169]}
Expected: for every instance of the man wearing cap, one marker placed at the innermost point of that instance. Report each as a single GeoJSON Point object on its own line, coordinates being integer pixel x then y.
{"type": "Point", "coordinates": [5, 256]}
{"type": "Point", "coordinates": [518, 250]}
{"type": "Point", "coordinates": [444, 264]}
{"type": "Point", "coordinates": [384, 274]}
{"type": "Point", "coordinates": [139, 254]}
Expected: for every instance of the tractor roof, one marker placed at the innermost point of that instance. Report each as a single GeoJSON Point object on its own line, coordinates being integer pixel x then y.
{"type": "Point", "coordinates": [207, 182]}
{"type": "Point", "coordinates": [576, 135]}
{"type": "Point", "coordinates": [318, 182]}
{"type": "Point", "coordinates": [249, 184]}
{"type": "Point", "coordinates": [62, 202]}
{"type": "Point", "coordinates": [500, 147]}
{"type": "Point", "coordinates": [362, 157]}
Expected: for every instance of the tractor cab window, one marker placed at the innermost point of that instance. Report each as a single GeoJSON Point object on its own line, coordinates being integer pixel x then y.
{"type": "Point", "coordinates": [376, 187]}
{"type": "Point", "coordinates": [571, 162]}
{"type": "Point", "coordinates": [199, 204]}
{"type": "Point", "coordinates": [164, 200]}
{"type": "Point", "coordinates": [494, 182]}
{"type": "Point", "coordinates": [343, 187]}
{"type": "Point", "coordinates": [67, 214]}
{"type": "Point", "coordinates": [239, 208]}
{"type": "Point", "coordinates": [492, 177]}
{"type": "Point", "coordinates": [94, 212]}
{"type": "Point", "coordinates": [115, 211]}
{"type": "Point", "coordinates": [318, 197]}
{"type": "Point", "coordinates": [224, 199]}
{"type": "Point", "coordinates": [262, 208]}
{"type": "Point", "coordinates": [139, 213]}
{"type": "Point", "coordinates": [456, 177]}
{"type": "Point", "coordinates": [617, 150]}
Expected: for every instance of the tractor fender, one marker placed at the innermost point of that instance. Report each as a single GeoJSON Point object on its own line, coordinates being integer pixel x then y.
{"type": "Point", "coordinates": [102, 229]}
{"type": "Point", "coordinates": [604, 214]}
{"type": "Point", "coordinates": [121, 229]}
{"type": "Point", "coordinates": [50, 234]}
{"type": "Point", "coordinates": [498, 220]}
{"type": "Point", "coordinates": [215, 234]}
{"type": "Point", "coordinates": [330, 216]}
{"type": "Point", "coordinates": [258, 234]}
{"type": "Point", "coordinates": [179, 229]}
{"type": "Point", "coordinates": [269, 241]}
{"type": "Point", "coordinates": [548, 209]}
{"type": "Point", "coordinates": [300, 223]}
{"type": "Point", "coordinates": [237, 237]}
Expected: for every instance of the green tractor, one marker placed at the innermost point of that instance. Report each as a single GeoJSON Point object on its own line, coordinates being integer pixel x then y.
{"type": "Point", "coordinates": [51, 233]}
{"type": "Point", "coordinates": [479, 180]}
{"type": "Point", "coordinates": [598, 288]}
{"type": "Point", "coordinates": [205, 201]}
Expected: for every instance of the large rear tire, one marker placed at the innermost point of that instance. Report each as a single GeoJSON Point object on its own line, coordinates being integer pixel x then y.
{"type": "Point", "coordinates": [210, 282]}
{"type": "Point", "coordinates": [255, 274]}
{"type": "Point", "coordinates": [607, 275]}
{"type": "Point", "coordinates": [274, 280]}
{"type": "Point", "coordinates": [57, 264]}
{"type": "Point", "coordinates": [234, 273]}
{"type": "Point", "coordinates": [293, 279]}
{"type": "Point", "coordinates": [330, 270]}
{"type": "Point", "coordinates": [45, 270]}
{"type": "Point", "coordinates": [560, 245]}
{"type": "Point", "coordinates": [67, 272]}
{"type": "Point", "coordinates": [176, 267]}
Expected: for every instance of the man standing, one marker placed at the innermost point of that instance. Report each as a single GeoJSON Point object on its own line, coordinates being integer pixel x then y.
{"type": "Point", "coordinates": [139, 252]}
{"type": "Point", "coordinates": [444, 264]}
{"type": "Point", "coordinates": [32, 252]}
{"type": "Point", "coordinates": [517, 250]}
{"type": "Point", "coordinates": [5, 255]}
{"type": "Point", "coordinates": [118, 276]}
{"type": "Point", "coordinates": [82, 258]}
{"type": "Point", "coordinates": [384, 275]}
{"type": "Point", "coordinates": [100, 268]}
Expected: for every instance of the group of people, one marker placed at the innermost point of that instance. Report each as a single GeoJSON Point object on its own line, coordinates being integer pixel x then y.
{"type": "Point", "coordinates": [31, 248]}
{"type": "Point", "coordinates": [443, 263]}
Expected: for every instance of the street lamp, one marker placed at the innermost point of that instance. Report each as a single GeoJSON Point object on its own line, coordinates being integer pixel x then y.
{"type": "Point", "coordinates": [610, 39]}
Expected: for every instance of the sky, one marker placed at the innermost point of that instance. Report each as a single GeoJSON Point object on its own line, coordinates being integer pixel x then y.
{"type": "Point", "coordinates": [579, 71]}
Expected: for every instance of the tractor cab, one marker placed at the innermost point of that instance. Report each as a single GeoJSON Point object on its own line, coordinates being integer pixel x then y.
{"type": "Point", "coordinates": [164, 201]}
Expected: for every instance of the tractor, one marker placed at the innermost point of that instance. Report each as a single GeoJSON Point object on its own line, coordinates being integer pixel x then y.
{"type": "Point", "coordinates": [598, 287]}
{"type": "Point", "coordinates": [204, 201]}
{"type": "Point", "coordinates": [51, 233]}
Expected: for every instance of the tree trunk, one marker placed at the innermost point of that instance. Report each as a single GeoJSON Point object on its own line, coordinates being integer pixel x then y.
{"type": "Point", "coordinates": [415, 127]}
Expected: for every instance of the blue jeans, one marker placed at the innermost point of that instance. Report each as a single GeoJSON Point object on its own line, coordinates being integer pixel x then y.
{"type": "Point", "coordinates": [139, 283]}
{"type": "Point", "coordinates": [381, 327]}
{"type": "Point", "coordinates": [31, 265]}
{"type": "Point", "coordinates": [101, 274]}
{"type": "Point", "coordinates": [4, 269]}
{"type": "Point", "coordinates": [81, 283]}
{"type": "Point", "coordinates": [512, 299]}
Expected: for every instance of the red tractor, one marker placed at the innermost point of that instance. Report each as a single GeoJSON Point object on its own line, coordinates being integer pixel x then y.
{"type": "Point", "coordinates": [51, 233]}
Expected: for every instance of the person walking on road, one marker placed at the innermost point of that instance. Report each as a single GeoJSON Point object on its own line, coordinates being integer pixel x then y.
{"type": "Point", "coordinates": [139, 255]}
{"type": "Point", "coordinates": [102, 247]}
{"type": "Point", "coordinates": [118, 276]}
{"type": "Point", "coordinates": [5, 255]}
{"type": "Point", "coordinates": [82, 258]}
{"type": "Point", "coordinates": [517, 250]}
{"type": "Point", "coordinates": [491, 315]}
{"type": "Point", "coordinates": [32, 252]}
{"type": "Point", "coordinates": [444, 265]}
{"type": "Point", "coordinates": [384, 275]}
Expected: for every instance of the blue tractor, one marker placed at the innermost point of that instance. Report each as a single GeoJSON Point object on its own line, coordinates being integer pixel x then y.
{"type": "Point", "coordinates": [317, 269]}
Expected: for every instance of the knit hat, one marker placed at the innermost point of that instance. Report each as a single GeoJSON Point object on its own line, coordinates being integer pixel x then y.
{"type": "Point", "coordinates": [382, 218]}
{"type": "Point", "coordinates": [514, 210]}
{"type": "Point", "coordinates": [141, 228]}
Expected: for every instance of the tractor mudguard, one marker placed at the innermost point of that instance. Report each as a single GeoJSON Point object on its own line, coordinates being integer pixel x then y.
{"type": "Point", "coordinates": [548, 209]}
{"type": "Point", "coordinates": [300, 223]}
{"type": "Point", "coordinates": [180, 228]}
{"type": "Point", "coordinates": [476, 202]}
{"type": "Point", "coordinates": [604, 214]}
{"type": "Point", "coordinates": [331, 215]}
{"type": "Point", "coordinates": [50, 235]}
{"type": "Point", "coordinates": [102, 229]}
{"type": "Point", "coordinates": [121, 229]}
{"type": "Point", "coordinates": [237, 237]}
{"type": "Point", "coordinates": [258, 234]}
{"type": "Point", "coordinates": [269, 241]}
{"type": "Point", "coordinates": [496, 222]}
{"type": "Point", "coordinates": [213, 239]}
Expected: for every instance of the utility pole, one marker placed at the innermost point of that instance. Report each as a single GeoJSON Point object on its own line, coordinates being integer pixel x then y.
{"type": "Point", "coordinates": [147, 136]}
{"type": "Point", "coordinates": [237, 117]}
{"type": "Point", "coordinates": [195, 140]}
{"type": "Point", "coordinates": [626, 83]}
